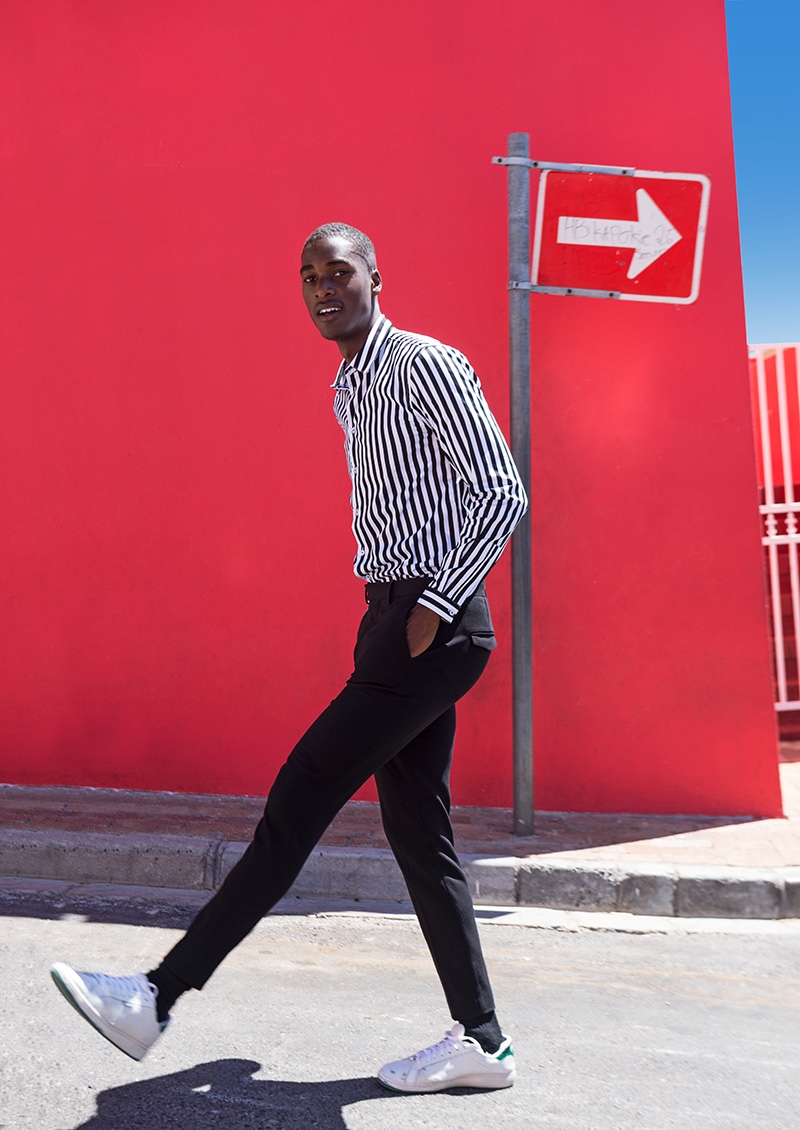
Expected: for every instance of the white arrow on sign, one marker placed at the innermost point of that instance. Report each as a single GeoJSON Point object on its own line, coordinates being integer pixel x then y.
{"type": "Point", "coordinates": [650, 235]}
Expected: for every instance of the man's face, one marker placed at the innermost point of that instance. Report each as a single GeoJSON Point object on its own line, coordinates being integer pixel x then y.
{"type": "Point", "coordinates": [340, 293]}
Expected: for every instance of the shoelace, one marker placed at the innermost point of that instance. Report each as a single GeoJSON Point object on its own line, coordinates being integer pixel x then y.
{"type": "Point", "coordinates": [444, 1047]}
{"type": "Point", "coordinates": [120, 987]}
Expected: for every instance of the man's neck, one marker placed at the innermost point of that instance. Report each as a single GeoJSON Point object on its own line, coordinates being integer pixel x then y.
{"type": "Point", "coordinates": [351, 348]}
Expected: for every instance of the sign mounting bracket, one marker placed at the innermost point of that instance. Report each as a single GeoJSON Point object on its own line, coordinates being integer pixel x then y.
{"type": "Point", "coordinates": [561, 167]}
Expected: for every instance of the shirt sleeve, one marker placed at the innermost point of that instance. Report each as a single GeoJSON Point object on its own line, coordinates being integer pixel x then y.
{"type": "Point", "coordinates": [446, 395]}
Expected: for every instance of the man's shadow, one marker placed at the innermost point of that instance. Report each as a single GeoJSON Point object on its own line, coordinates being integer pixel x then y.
{"type": "Point", "coordinates": [223, 1095]}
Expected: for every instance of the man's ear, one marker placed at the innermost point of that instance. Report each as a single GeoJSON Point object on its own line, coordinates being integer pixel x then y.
{"type": "Point", "coordinates": [377, 282]}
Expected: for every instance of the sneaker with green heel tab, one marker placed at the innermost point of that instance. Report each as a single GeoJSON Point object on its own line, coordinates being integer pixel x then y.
{"type": "Point", "coordinates": [456, 1061]}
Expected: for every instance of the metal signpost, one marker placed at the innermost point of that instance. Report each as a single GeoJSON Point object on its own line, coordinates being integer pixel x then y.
{"type": "Point", "coordinates": [602, 231]}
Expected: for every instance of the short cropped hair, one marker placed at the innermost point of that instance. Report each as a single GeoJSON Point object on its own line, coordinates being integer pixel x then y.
{"type": "Point", "coordinates": [360, 243]}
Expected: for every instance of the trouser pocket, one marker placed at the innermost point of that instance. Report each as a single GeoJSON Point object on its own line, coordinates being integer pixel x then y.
{"type": "Point", "coordinates": [382, 654]}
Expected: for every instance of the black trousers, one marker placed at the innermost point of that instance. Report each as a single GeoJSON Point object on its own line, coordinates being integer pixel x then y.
{"type": "Point", "coordinates": [395, 718]}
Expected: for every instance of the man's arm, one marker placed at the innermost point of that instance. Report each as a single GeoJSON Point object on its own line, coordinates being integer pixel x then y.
{"type": "Point", "coordinates": [446, 394]}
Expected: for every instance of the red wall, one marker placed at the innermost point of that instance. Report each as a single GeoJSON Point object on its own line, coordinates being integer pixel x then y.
{"type": "Point", "coordinates": [177, 600]}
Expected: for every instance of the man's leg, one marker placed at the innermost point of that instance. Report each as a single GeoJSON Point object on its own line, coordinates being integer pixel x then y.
{"type": "Point", "coordinates": [415, 805]}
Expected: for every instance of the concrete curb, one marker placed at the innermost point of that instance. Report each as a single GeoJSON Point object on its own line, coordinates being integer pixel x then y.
{"type": "Point", "coordinates": [197, 863]}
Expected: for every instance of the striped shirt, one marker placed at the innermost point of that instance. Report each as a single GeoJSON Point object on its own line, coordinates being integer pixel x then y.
{"type": "Point", "coordinates": [435, 492]}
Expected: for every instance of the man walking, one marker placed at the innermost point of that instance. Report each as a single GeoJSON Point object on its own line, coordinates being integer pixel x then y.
{"type": "Point", "coordinates": [435, 498]}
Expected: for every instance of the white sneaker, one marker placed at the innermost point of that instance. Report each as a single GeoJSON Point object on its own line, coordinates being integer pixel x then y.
{"type": "Point", "coordinates": [456, 1061]}
{"type": "Point", "coordinates": [123, 1009]}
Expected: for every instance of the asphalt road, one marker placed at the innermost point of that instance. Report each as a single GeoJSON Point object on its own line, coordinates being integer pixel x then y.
{"type": "Point", "coordinates": [612, 1031]}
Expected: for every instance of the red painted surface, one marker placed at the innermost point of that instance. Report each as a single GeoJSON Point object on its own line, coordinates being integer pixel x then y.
{"type": "Point", "coordinates": [780, 458]}
{"type": "Point", "coordinates": [177, 599]}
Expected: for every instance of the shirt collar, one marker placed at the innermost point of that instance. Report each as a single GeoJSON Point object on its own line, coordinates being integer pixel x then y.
{"type": "Point", "coordinates": [368, 356]}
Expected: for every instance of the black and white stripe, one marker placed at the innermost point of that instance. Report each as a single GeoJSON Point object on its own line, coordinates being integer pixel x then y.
{"type": "Point", "coordinates": [435, 492]}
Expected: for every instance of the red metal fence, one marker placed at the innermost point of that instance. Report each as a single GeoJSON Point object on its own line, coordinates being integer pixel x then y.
{"type": "Point", "coordinates": [775, 387]}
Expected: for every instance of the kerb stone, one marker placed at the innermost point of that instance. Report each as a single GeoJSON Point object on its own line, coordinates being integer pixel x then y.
{"type": "Point", "coordinates": [492, 881]}
{"type": "Point", "coordinates": [791, 891]}
{"type": "Point", "coordinates": [92, 857]}
{"type": "Point", "coordinates": [348, 873]}
{"type": "Point", "coordinates": [568, 886]}
{"type": "Point", "coordinates": [647, 891]}
{"type": "Point", "coordinates": [733, 892]}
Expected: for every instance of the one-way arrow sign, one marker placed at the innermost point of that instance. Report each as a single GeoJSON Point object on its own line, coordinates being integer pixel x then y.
{"type": "Point", "coordinates": [649, 235]}
{"type": "Point", "coordinates": [638, 236]}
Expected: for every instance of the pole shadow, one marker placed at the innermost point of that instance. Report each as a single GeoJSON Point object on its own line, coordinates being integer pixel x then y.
{"type": "Point", "coordinates": [222, 1095]}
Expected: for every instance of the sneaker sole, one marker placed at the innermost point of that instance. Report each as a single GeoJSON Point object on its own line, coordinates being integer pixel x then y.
{"type": "Point", "coordinates": [71, 988]}
{"type": "Point", "coordinates": [479, 1082]}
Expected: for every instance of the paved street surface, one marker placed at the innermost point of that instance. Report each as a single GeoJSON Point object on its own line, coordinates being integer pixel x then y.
{"type": "Point", "coordinates": [612, 1030]}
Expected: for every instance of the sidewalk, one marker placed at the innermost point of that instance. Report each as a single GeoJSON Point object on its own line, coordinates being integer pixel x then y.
{"type": "Point", "coordinates": [656, 865]}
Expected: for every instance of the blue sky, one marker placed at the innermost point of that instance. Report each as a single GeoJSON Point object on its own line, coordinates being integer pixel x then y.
{"type": "Point", "coordinates": [764, 53]}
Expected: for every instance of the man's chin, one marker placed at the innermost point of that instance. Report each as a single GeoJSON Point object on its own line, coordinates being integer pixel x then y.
{"type": "Point", "coordinates": [331, 331]}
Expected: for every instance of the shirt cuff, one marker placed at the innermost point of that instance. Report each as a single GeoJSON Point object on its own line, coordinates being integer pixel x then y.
{"type": "Point", "coordinates": [438, 604]}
